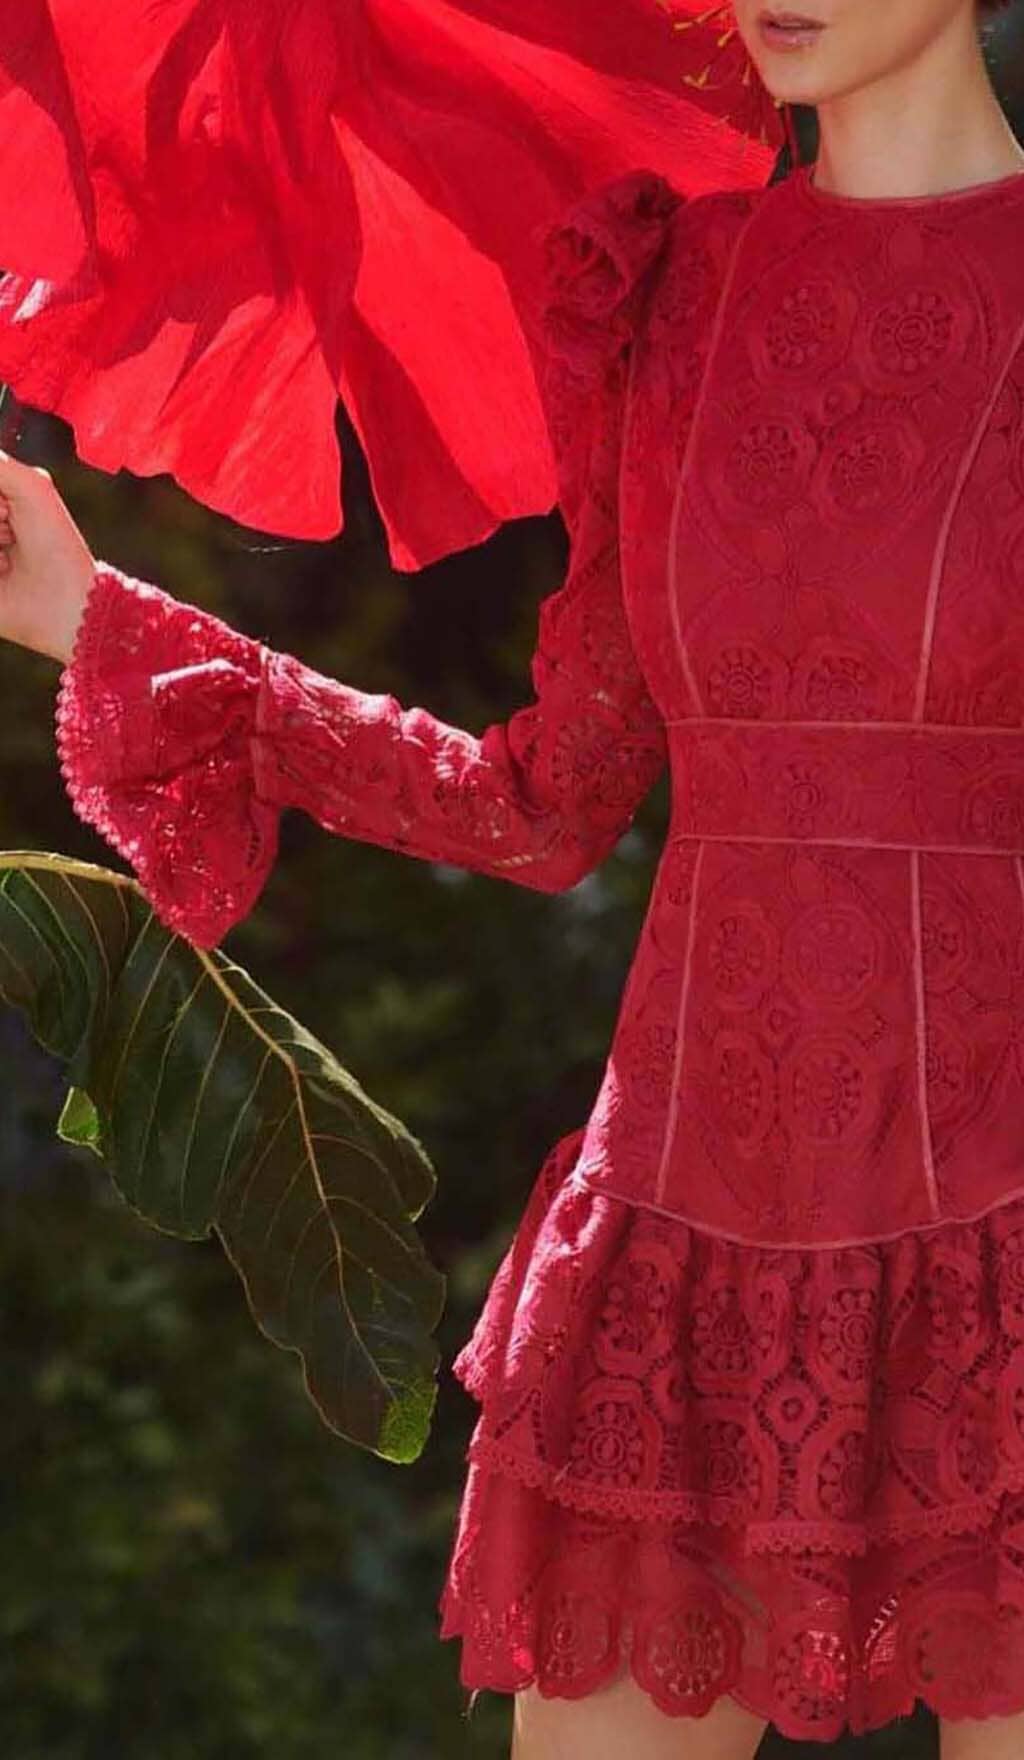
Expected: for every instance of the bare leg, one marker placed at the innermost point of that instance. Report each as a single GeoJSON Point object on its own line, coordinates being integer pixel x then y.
{"type": "Point", "coordinates": [987, 1738]}
{"type": "Point", "coordinates": [620, 1722]}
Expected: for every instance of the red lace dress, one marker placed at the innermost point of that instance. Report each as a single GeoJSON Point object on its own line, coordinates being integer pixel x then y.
{"type": "Point", "coordinates": [751, 1374]}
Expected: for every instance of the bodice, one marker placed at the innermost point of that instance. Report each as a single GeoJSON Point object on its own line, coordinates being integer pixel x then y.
{"type": "Point", "coordinates": [822, 532]}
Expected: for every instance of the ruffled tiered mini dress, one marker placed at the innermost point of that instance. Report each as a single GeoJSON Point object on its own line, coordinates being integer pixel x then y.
{"type": "Point", "coordinates": [751, 1373]}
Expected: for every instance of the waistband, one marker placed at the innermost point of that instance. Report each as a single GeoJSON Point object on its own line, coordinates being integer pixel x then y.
{"type": "Point", "coordinates": [885, 785]}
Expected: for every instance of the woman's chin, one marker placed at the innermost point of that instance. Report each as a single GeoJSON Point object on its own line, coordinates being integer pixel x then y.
{"type": "Point", "coordinates": [793, 79]}
{"type": "Point", "coordinates": [797, 89]}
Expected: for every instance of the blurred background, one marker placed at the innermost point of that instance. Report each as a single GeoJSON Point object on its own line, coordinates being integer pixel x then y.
{"type": "Point", "coordinates": [194, 1568]}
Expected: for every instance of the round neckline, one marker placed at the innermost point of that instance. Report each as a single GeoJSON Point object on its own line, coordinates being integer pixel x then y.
{"type": "Point", "coordinates": [942, 198]}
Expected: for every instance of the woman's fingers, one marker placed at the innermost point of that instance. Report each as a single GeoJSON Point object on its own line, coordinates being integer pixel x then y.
{"type": "Point", "coordinates": [7, 536]}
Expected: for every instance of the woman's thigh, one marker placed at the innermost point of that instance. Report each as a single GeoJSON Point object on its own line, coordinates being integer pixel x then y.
{"type": "Point", "coordinates": [989, 1738]}
{"type": "Point", "coordinates": [620, 1722]}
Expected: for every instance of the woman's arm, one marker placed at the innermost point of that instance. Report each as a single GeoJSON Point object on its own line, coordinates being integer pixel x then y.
{"type": "Point", "coordinates": [182, 741]}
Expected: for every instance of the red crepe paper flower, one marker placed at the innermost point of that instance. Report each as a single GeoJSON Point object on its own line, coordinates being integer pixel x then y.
{"type": "Point", "coordinates": [48, 228]}
{"type": "Point", "coordinates": [241, 210]}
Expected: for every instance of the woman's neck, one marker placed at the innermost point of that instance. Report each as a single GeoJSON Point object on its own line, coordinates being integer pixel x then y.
{"type": "Point", "coordinates": [932, 126]}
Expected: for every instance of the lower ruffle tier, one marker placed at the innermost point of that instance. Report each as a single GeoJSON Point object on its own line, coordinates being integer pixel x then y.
{"type": "Point", "coordinates": [792, 1476]}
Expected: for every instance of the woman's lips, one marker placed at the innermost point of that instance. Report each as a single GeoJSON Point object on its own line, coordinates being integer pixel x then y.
{"type": "Point", "coordinates": [788, 30]}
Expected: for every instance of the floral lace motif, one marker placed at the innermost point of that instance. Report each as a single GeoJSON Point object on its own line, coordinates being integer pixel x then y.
{"type": "Point", "coordinates": [792, 1476]}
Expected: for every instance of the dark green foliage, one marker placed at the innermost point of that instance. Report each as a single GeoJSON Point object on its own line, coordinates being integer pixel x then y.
{"type": "Point", "coordinates": [214, 1110]}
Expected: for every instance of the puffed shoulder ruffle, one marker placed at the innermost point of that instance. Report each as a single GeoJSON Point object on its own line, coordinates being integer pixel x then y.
{"type": "Point", "coordinates": [595, 263]}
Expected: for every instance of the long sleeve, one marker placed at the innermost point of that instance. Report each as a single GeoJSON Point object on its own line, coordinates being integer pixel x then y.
{"type": "Point", "coordinates": [182, 741]}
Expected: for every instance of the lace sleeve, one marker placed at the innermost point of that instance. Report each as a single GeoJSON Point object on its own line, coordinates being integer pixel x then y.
{"type": "Point", "coordinates": [181, 740]}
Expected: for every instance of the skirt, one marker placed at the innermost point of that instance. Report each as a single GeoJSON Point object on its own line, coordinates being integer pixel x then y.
{"type": "Point", "coordinates": [792, 1476]}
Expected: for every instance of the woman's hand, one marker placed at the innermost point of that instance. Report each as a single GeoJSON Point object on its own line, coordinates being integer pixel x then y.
{"type": "Point", "coordinates": [46, 566]}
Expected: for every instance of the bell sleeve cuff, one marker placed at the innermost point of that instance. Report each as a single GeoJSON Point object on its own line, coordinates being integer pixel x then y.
{"type": "Point", "coordinates": [156, 755]}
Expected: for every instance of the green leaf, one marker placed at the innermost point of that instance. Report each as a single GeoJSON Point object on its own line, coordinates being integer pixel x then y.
{"type": "Point", "coordinates": [215, 1110]}
{"type": "Point", "coordinates": [79, 1122]}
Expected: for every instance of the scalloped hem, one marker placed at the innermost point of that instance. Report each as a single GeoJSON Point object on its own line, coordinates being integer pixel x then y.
{"type": "Point", "coordinates": [768, 1712]}
{"type": "Point", "coordinates": [484, 1680]}
{"type": "Point", "coordinates": [818, 1647]}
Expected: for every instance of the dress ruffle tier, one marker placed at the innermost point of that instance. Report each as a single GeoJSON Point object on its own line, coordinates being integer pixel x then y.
{"type": "Point", "coordinates": [792, 1476]}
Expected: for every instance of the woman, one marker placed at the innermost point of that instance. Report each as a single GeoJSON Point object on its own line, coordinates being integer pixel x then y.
{"type": "Point", "coordinates": [751, 1444]}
